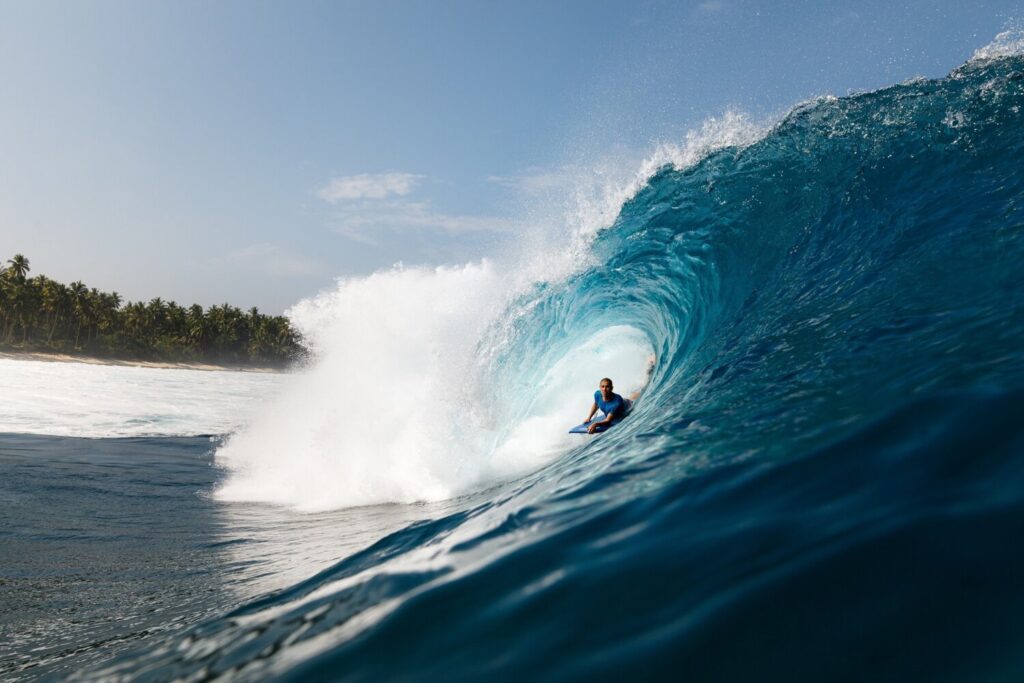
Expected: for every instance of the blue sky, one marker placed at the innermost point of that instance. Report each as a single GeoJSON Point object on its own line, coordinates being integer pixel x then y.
{"type": "Point", "coordinates": [250, 152]}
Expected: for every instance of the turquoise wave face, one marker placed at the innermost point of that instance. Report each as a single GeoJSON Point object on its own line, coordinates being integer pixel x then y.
{"type": "Point", "coordinates": [864, 254]}
{"type": "Point", "coordinates": [823, 479]}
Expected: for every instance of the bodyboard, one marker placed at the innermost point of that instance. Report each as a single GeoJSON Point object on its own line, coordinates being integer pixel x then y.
{"type": "Point", "coordinates": [582, 428]}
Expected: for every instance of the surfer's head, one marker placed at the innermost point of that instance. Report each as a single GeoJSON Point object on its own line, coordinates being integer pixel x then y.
{"type": "Point", "coordinates": [606, 387]}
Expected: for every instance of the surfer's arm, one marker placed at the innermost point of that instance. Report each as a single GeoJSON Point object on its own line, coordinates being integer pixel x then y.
{"type": "Point", "coordinates": [593, 425]}
{"type": "Point", "coordinates": [593, 409]}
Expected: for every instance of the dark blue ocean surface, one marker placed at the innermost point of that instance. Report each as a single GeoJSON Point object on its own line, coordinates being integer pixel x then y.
{"type": "Point", "coordinates": [101, 542]}
{"type": "Point", "coordinates": [823, 481]}
{"type": "Point", "coordinates": [109, 545]}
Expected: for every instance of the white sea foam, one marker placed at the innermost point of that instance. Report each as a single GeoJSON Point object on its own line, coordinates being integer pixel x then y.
{"type": "Point", "coordinates": [372, 421]}
{"type": "Point", "coordinates": [79, 399]}
{"type": "Point", "coordinates": [1008, 43]}
{"type": "Point", "coordinates": [397, 409]}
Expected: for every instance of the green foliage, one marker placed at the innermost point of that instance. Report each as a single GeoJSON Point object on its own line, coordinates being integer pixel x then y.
{"type": "Point", "coordinates": [40, 314]}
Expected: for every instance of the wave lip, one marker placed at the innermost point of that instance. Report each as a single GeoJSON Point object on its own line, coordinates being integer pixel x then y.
{"type": "Point", "coordinates": [1009, 43]}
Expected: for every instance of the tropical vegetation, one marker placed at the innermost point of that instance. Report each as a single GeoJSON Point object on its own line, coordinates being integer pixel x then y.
{"type": "Point", "coordinates": [42, 315]}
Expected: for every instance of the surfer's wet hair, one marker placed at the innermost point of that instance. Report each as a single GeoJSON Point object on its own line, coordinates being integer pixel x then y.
{"type": "Point", "coordinates": [611, 384]}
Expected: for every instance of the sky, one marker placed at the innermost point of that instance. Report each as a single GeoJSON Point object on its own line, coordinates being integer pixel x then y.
{"type": "Point", "coordinates": [253, 152]}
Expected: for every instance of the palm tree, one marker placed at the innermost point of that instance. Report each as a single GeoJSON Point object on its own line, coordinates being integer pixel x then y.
{"type": "Point", "coordinates": [107, 316]}
{"type": "Point", "coordinates": [31, 295]}
{"type": "Point", "coordinates": [93, 309]}
{"type": "Point", "coordinates": [177, 328]}
{"type": "Point", "coordinates": [79, 303]}
{"type": "Point", "coordinates": [5, 301]}
{"type": "Point", "coordinates": [134, 323]}
{"type": "Point", "coordinates": [16, 300]}
{"type": "Point", "coordinates": [19, 266]}
{"type": "Point", "coordinates": [54, 302]}
{"type": "Point", "coordinates": [156, 310]}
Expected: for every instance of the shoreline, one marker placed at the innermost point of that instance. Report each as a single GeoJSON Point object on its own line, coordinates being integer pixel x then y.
{"type": "Point", "coordinates": [167, 365]}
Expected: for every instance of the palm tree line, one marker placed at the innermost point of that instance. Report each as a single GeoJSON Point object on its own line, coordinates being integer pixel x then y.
{"type": "Point", "coordinates": [40, 314]}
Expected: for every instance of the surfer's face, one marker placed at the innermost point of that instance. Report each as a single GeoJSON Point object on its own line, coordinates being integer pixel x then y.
{"type": "Point", "coordinates": [606, 389]}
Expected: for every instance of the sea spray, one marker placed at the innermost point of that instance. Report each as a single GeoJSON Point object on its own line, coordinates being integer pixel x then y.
{"type": "Point", "coordinates": [371, 420]}
{"type": "Point", "coordinates": [397, 406]}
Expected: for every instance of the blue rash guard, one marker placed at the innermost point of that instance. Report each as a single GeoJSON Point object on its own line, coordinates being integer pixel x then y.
{"type": "Point", "coordinates": [616, 407]}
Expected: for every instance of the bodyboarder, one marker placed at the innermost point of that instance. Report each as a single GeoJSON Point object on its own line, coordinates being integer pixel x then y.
{"type": "Point", "coordinates": [611, 404]}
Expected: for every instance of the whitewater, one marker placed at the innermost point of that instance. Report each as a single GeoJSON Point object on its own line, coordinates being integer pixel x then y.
{"type": "Point", "coordinates": [823, 315]}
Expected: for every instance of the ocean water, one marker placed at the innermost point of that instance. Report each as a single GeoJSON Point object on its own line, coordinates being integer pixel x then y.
{"type": "Point", "coordinates": [823, 477]}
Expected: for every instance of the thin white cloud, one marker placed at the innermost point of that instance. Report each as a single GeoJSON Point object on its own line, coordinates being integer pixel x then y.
{"type": "Point", "coordinates": [846, 18]}
{"type": "Point", "coordinates": [538, 181]}
{"type": "Point", "coordinates": [272, 259]}
{"type": "Point", "coordinates": [361, 215]}
{"type": "Point", "coordinates": [368, 186]}
{"type": "Point", "coordinates": [366, 221]}
{"type": "Point", "coordinates": [710, 7]}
